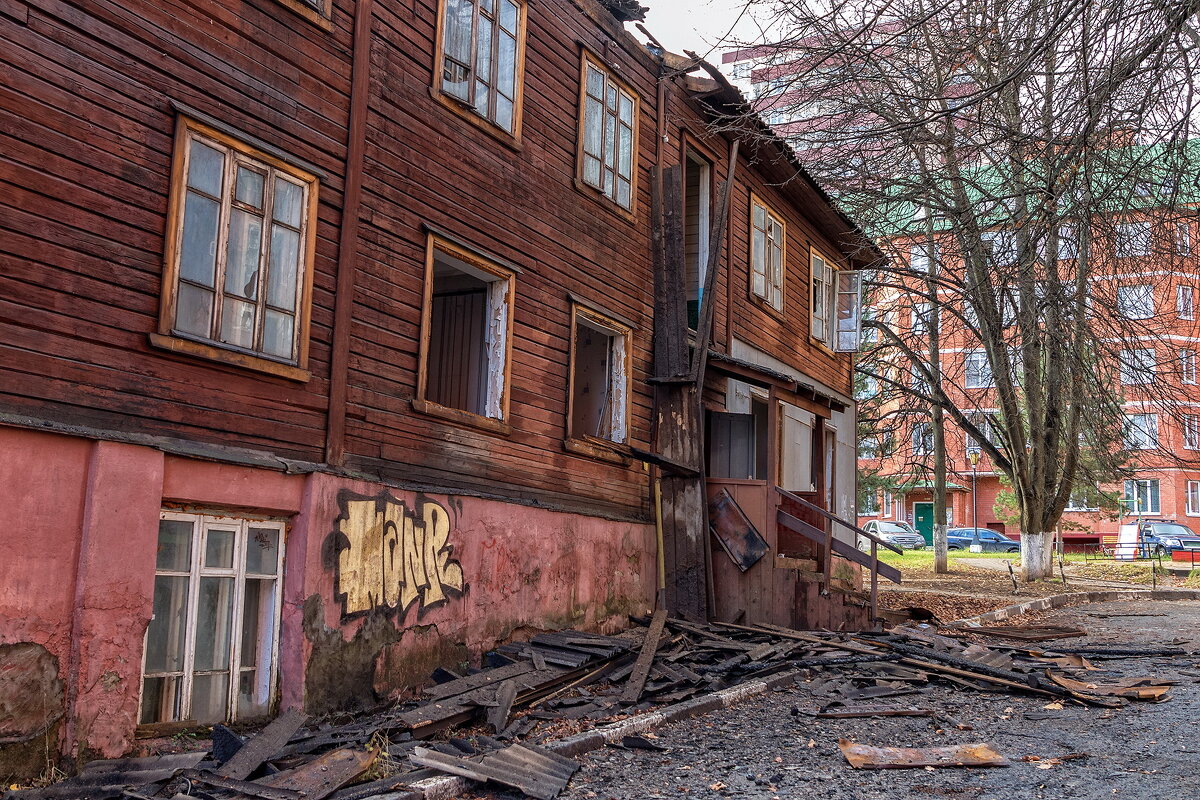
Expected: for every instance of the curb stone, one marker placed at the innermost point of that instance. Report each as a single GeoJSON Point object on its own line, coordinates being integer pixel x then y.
{"type": "Point", "coordinates": [445, 788]}
{"type": "Point", "coordinates": [1074, 598]}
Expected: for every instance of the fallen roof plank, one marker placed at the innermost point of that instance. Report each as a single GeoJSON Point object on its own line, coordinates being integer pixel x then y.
{"type": "Point", "coordinates": [505, 695]}
{"type": "Point", "coordinates": [535, 772]}
{"type": "Point", "coordinates": [260, 748]}
{"type": "Point", "coordinates": [325, 774]}
{"type": "Point", "coordinates": [641, 668]}
{"type": "Point", "coordinates": [488, 677]}
{"type": "Point", "coordinates": [861, 756]}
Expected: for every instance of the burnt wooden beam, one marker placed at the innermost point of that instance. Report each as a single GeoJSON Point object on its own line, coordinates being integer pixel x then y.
{"type": "Point", "coordinates": [641, 668]}
{"type": "Point", "coordinates": [254, 752]}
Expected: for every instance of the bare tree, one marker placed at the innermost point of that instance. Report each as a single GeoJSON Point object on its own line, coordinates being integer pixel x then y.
{"type": "Point", "coordinates": [1031, 150]}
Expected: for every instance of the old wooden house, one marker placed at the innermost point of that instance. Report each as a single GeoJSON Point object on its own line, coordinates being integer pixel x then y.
{"type": "Point", "coordinates": [342, 339]}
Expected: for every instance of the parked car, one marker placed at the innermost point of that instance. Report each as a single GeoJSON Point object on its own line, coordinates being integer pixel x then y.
{"type": "Point", "coordinates": [1163, 537]}
{"type": "Point", "coordinates": [900, 534]}
{"type": "Point", "coordinates": [992, 542]}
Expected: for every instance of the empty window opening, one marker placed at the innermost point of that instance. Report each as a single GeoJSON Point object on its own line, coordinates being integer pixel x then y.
{"type": "Point", "coordinates": [697, 223]}
{"type": "Point", "coordinates": [737, 443]}
{"type": "Point", "coordinates": [468, 332]}
{"type": "Point", "coordinates": [598, 380]}
{"type": "Point", "coordinates": [211, 644]}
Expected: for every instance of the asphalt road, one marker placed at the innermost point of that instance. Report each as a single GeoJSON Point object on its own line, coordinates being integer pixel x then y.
{"type": "Point", "coordinates": [762, 749]}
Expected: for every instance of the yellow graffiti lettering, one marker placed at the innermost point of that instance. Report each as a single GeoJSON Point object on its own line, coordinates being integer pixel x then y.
{"type": "Point", "coordinates": [391, 557]}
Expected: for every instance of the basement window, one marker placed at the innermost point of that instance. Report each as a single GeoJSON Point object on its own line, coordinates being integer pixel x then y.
{"type": "Point", "coordinates": [210, 651]}
{"type": "Point", "coordinates": [467, 328]}
{"type": "Point", "coordinates": [599, 404]}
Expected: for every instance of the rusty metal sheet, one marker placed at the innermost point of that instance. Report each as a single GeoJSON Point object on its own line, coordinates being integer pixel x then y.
{"type": "Point", "coordinates": [734, 530]}
{"type": "Point", "coordinates": [1132, 689]}
{"type": "Point", "coordinates": [981, 754]}
{"type": "Point", "coordinates": [325, 774]}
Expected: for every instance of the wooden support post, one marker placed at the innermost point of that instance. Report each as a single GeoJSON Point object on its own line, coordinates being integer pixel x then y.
{"type": "Point", "coordinates": [874, 582]}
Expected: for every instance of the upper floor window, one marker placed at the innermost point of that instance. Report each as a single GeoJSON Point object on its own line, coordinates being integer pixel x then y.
{"type": "Point", "coordinates": [239, 254]}
{"type": "Point", "coordinates": [1183, 238]}
{"type": "Point", "coordinates": [1191, 432]}
{"type": "Point", "coordinates": [1068, 242]}
{"type": "Point", "coordinates": [1141, 431]}
{"type": "Point", "coordinates": [1185, 302]}
{"type": "Point", "coordinates": [1137, 365]}
{"type": "Point", "coordinates": [978, 370]}
{"type": "Point", "coordinates": [922, 438]}
{"type": "Point", "coordinates": [1133, 239]}
{"type": "Point", "coordinates": [600, 362]}
{"type": "Point", "coordinates": [1187, 366]}
{"type": "Point", "coordinates": [1135, 302]}
{"type": "Point", "coordinates": [319, 12]}
{"type": "Point", "coordinates": [608, 134]}
{"type": "Point", "coordinates": [466, 336]}
{"type": "Point", "coordinates": [481, 58]}
{"type": "Point", "coordinates": [767, 236]}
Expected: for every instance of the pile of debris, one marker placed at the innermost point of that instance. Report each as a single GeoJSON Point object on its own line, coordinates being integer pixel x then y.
{"type": "Point", "coordinates": [507, 714]}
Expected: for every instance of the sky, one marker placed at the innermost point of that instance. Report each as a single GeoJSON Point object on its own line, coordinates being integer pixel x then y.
{"type": "Point", "coordinates": [697, 24]}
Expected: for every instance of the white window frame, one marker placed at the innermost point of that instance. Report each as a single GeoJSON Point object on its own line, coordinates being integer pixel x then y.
{"type": "Point", "coordinates": [1191, 432]}
{"type": "Point", "coordinates": [1133, 494]}
{"type": "Point", "coordinates": [920, 318]}
{"type": "Point", "coordinates": [1141, 431]}
{"type": "Point", "coordinates": [1135, 301]}
{"type": "Point", "coordinates": [1183, 238]}
{"type": "Point", "coordinates": [924, 432]}
{"type": "Point", "coordinates": [610, 174]}
{"type": "Point", "coordinates": [1185, 302]}
{"type": "Point", "coordinates": [768, 255]}
{"type": "Point", "coordinates": [1137, 366]}
{"type": "Point", "coordinates": [1187, 367]}
{"type": "Point", "coordinates": [870, 505]}
{"type": "Point", "coordinates": [1078, 501]}
{"type": "Point", "coordinates": [1068, 243]}
{"type": "Point", "coordinates": [202, 524]}
{"type": "Point", "coordinates": [977, 372]}
{"type": "Point", "coordinates": [1132, 239]}
{"type": "Point", "coordinates": [888, 504]}
{"type": "Point", "coordinates": [1193, 498]}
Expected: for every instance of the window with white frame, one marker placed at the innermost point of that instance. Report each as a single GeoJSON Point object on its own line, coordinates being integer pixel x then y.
{"type": "Point", "coordinates": [1187, 367]}
{"type": "Point", "coordinates": [1137, 366]}
{"type": "Point", "coordinates": [211, 645]}
{"type": "Point", "coordinates": [922, 438]}
{"type": "Point", "coordinates": [608, 135]}
{"type": "Point", "coordinates": [1002, 247]}
{"type": "Point", "coordinates": [1193, 498]}
{"type": "Point", "coordinates": [1135, 302]}
{"type": "Point", "coordinates": [767, 237]}
{"type": "Point", "coordinates": [978, 370]}
{"type": "Point", "coordinates": [1141, 431]}
{"type": "Point", "coordinates": [986, 422]}
{"type": "Point", "coordinates": [1183, 238]}
{"type": "Point", "coordinates": [1141, 497]}
{"type": "Point", "coordinates": [888, 504]}
{"type": "Point", "coordinates": [1068, 242]}
{"type": "Point", "coordinates": [1191, 432]}
{"type": "Point", "coordinates": [481, 58]}
{"type": "Point", "coordinates": [238, 267]}
{"type": "Point", "coordinates": [1084, 498]}
{"type": "Point", "coordinates": [1132, 239]}
{"type": "Point", "coordinates": [870, 505]}
{"type": "Point", "coordinates": [600, 363]}
{"type": "Point", "coordinates": [920, 318]}
{"type": "Point", "coordinates": [1185, 302]}
{"type": "Point", "coordinates": [918, 381]}
{"type": "Point", "coordinates": [923, 257]}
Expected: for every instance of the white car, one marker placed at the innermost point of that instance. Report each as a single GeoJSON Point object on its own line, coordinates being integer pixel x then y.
{"type": "Point", "coordinates": [900, 534]}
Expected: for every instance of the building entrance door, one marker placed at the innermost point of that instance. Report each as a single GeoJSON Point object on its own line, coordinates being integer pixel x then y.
{"type": "Point", "coordinates": [923, 521]}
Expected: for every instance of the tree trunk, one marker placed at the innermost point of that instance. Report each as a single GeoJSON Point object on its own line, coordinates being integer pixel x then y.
{"type": "Point", "coordinates": [1036, 562]}
{"type": "Point", "coordinates": [941, 560]}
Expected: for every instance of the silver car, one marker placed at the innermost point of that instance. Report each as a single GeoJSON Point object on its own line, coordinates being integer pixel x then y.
{"type": "Point", "coordinates": [900, 534]}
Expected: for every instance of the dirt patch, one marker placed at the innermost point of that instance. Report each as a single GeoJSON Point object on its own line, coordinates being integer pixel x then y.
{"type": "Point", "coordinates": [945, 607]}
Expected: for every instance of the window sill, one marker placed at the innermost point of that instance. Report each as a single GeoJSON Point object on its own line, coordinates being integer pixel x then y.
{"type": "Point", "coordinates": [323, 21]}
{"type": "Point", "coordinates": [460, 417]}
{"type": "Point", "coordinates": [612, 452]}
{"type": "Point", "coordinates": [157, 730]}
{"type": "Point", "coordinates": [822, 346]}
{"type": "Point", "coordinates": [602, 199]}
{"type": "Point", "coordinates": [467, 112]}
{"type": "Point", "coordinates": [232, 357]}
{"type": "Point", "coordinates": [762, 305]}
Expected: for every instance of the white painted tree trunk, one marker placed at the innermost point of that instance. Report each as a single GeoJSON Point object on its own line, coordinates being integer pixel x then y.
{"type": "Point", "coordinates": [1036, 550]}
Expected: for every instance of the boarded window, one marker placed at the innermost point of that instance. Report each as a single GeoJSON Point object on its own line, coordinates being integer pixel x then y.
{"type": "Point", "coordinates": [467, 324]}
{"type": "Point", "coordinates": [599, 378]}
{"type": "Point", "coordinates": [481, 57]}
{"type": "Point", "coordinates": [240, 259]}
{"type": "Point", "coordinates": [608, 135]}
{"type": "Point", "coordinates": [696, 225]}
{"type": "Point", "coordinates": [766, 254]}
{"type": "Point", "coordinates": [211, 644]}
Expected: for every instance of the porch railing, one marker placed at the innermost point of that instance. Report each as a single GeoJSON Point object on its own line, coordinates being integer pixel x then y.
{"type": "Point", "coordinates": [824, 538]}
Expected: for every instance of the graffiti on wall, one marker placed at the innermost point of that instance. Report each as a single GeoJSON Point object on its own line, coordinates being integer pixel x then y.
{"type": "Point", "coordinates": [389, 556]}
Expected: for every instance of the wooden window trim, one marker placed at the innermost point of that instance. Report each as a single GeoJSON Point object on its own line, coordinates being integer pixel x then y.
{"type": "Point", "coordinates": [596, 446]}
{"type": "Point", "coordinates": [166, 337]}
{"type": "Point", "coordinates": [762, 302]}
{"type": "Point", "coordinates": [466, 111]}
{"type": "Point", "coordinates": [322, 18]}
{"type": "Point", "coordinates": [586, 57]}
{"type": "Point", "coordinates": [830, 309]}
{"type": "Point", "coordinates": [421, 404]}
